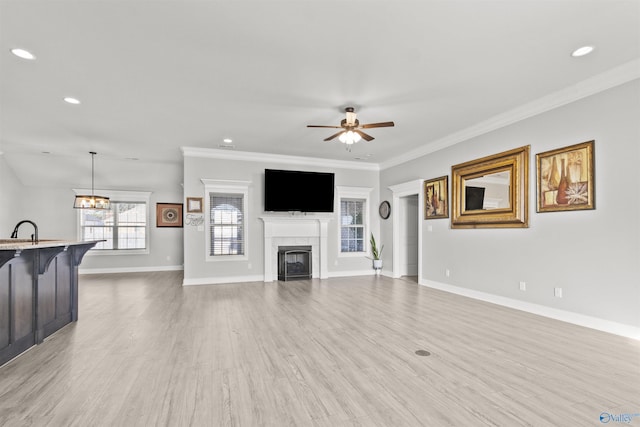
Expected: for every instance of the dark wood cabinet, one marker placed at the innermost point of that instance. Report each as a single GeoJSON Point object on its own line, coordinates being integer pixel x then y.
{"type": "Point", "coordinates": [38, 294]}
{"type": "Point", "coordinates": [17, 320]}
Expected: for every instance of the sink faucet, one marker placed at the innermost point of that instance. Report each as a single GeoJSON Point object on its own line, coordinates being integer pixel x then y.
{"type": "Point", "coordinates": [34, 237]}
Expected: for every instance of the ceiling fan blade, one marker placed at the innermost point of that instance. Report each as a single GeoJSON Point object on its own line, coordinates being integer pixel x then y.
{"type": "Point", "coordinates": [321, 126]}
{"type": "Point", "coordinates": [333, 136]}
{"type": "Point", "coordinates": [364, 136]}
{"type": "Point", "coordinates": [377, 125]}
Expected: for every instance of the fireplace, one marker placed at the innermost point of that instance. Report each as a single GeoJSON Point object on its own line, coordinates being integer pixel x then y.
{"type": "Point", "coordinates": [296, 230]}
{"type": "Point", "coordinates": [294, 262]}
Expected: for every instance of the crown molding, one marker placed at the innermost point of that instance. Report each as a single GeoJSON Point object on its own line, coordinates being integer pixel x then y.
{"type": "Point", "coordinates": [609, 79]}
{"type": "Point", "coordinates": [249, 156]}
{"type": "Point", "coordinates": [614, 77]}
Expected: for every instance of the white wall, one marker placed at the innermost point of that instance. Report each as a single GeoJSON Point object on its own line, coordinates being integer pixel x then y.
{"type": "Point", "coordinates": [165, 244]}
{"type": "Point", "coordinates": [10, 200]}
{"type": "Point", "coordinates": [197, 269]}
{"type": "Point", "coordinates": [593, 255]}
{"type": "Point", "coordinates": [51, 208]}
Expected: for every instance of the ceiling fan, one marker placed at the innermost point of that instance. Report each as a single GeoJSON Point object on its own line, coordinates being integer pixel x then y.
{"type": "Point", "coordinates": [350, 126]}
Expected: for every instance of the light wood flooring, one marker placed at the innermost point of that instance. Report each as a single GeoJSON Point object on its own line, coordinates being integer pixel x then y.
{"type": "Point", "coordinates": [339, 352]}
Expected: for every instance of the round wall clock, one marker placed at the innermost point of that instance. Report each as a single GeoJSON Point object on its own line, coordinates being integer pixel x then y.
{"type": "Point", "coordinates": [384, 210]}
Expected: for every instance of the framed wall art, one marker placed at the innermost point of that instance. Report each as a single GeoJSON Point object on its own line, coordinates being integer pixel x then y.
{"type": "Point", "coordinates": [565, 178]}
{"type": "Point", "coordinates": [436, 198]}
{"type": "Point", "coordinates": [194, 204]}
{"type": "Point", "coordinates": [491, 192]}
{"type": "Point", "coordinates": [168, 214]}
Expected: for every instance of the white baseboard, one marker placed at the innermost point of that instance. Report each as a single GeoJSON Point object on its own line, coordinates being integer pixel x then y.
{"type": "Point", "coordinates": [541, 310]}
{"type": "Point", "coordinates": [352, 273]}
{"type": "Point", "coordinates": [130, 269]}
{"type": "Point", "coordinates": [386, 273]}
{"type": "Point", "coordinates": [222, 280]}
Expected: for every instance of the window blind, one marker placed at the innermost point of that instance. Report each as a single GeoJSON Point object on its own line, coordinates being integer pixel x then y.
{"type": "Point", "coordinates": [352, 225]}
{"type": "Point", "coordinates": [227, 224]}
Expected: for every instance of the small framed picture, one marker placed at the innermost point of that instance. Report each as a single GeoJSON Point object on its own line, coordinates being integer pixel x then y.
{"type": "Point", "coordinates": [194, 204]}
{"type": "Point", "coordinates": [436, 198]}
{"type": "Point", "coordinates": [566, 178]}
{"type": "Point", "coordinates": [168, 214]}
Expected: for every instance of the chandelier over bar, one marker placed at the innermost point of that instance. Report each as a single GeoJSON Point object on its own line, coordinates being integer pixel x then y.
{"type": "Point", "coordinates": [92, 201]}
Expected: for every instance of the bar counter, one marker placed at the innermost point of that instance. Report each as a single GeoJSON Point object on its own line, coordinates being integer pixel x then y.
{"type": "Point", "coordinates": [38, 290]}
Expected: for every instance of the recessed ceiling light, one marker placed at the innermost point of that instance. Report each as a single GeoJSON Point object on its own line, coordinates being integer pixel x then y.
{"type": "Point", "coordinates": [70, 100]}
{"type": "Point", "coordinates": [582, 51]}
{"type": "Point", "coordinates": [24, 54]}
{"type": "Point", "coordinates": [227, 140]}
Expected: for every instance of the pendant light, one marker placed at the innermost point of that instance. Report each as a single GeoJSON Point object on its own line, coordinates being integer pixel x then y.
{"type": "Point", "coordinates": [92, 201]}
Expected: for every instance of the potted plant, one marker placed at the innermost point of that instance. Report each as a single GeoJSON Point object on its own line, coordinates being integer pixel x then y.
{"type": "Point", "coordinates": [377, 262]}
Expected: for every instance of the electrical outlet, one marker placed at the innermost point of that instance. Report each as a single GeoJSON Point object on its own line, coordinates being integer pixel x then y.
{"type": "Point", "coordinates": [447, 272]}
{"type": "Point", "coordinates": [557, 292]}
{"type": "Point", "coordinates": [523, 286]}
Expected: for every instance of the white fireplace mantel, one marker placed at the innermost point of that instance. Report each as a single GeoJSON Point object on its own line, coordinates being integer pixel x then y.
{"type": "Point", "coordinates": [295, 230]}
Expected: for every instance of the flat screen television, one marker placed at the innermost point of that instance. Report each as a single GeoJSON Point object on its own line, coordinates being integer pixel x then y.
{"type": "Point", "coordinates": [298, 191]}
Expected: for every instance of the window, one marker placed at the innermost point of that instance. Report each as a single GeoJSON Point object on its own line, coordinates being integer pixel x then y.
{"type": "Point", "coordinates": [354, 220]}
{"type": "Point", "coordinates": [226, 216]}
{"type": "Point", "coordinates": [227, 224]}
{"type": "Point", "coordinates": [352, 225]}
{"type": "Point", "coordinates": [124, 227]}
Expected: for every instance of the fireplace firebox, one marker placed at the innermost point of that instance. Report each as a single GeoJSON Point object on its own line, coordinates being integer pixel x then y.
{"type": "Point", "coordinates": [294, 262]}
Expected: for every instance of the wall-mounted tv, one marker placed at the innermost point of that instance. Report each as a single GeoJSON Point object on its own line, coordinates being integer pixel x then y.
{"type": "Point", "coordinates": [298, 191]}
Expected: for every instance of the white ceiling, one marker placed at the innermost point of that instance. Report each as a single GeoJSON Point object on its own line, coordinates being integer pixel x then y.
{"type": "Point", "coordinates": [154, 76]}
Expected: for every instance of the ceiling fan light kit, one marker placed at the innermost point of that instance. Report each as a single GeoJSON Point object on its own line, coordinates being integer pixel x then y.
{"type": "Point", "coordinates": [349, 137]}
{"type": "Point", "coordinates": [351, 131]}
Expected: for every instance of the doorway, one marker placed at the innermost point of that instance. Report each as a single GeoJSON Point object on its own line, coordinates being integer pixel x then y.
{"type": "Point", "coordinates": [408, 215]}
{"type": "Point", "coordinates": [407, 229]}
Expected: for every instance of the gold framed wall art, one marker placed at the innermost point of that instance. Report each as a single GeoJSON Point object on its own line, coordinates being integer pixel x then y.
{"type": "Point", "coordinates": [436, 197]}
{"type": "Point", "coordinates": [566, 178]}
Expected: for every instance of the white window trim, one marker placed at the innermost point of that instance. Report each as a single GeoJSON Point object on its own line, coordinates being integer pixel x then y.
{"type": "Point", "coordinates": [363, 193]}
{"type": "Point", "coordinates": [231, 187]}
{"type": "Point", "coordinates": [119, 196]}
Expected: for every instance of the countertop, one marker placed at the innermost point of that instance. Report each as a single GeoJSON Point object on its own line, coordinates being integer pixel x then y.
{"type": "Point", "coordinates": [22, 244]}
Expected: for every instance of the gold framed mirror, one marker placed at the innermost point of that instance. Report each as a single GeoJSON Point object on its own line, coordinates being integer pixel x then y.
{"type": "Point", "coordinates": [492, 192]}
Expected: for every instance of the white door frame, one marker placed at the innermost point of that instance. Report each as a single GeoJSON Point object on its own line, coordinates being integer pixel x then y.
{"type": "Point", "coordinates": [402, 190]}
